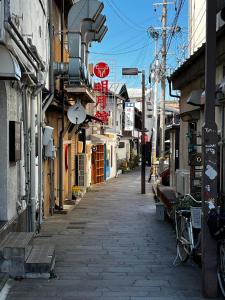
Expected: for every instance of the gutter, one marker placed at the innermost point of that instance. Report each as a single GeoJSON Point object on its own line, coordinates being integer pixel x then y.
{"type": "Point", "coordinates": [170, 89]}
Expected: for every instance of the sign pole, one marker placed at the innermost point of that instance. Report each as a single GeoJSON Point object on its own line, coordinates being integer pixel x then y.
{"type": "Point", "coordinates": [209, 145]}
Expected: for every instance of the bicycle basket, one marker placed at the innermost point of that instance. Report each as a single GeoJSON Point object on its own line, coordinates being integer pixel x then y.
{"type": "Point", "coordinates": [196, 214]}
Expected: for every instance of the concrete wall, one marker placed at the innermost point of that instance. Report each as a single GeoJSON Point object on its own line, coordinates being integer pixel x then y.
{"type": "Point", "coordinates": [33, 25]}
{"type": "Point", "coordinates": [124, 153]}
{"type": "Point", "coordinates": [12, 185]}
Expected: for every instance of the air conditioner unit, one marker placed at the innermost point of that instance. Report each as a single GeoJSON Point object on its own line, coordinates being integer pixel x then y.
{"type": "Point", "coordinates": [186, 179]}
{"type": "Point", "coordinates": [50, 149]}
{"type": "Point", "coordinates": [219, 21]}
{"type": "Point", "coordinates": [179, 182]}
{"type": "Point", "coordinates": [2, 28]}
{"type": "Point", "coordinates": [82, 170]}
{"type": "Point", "coordinates": [182, 182]}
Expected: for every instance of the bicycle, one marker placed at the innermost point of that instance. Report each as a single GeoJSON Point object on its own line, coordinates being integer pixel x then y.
{"type": "Point", "coordinates": [188, 232]}
{"type": "Point", "coordinates": [188, 229]}
{"type": "Point", "coordinates": [216, 223]}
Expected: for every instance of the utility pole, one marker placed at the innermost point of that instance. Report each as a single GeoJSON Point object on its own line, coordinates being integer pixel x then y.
{"type": "Point", "coordinates": [209, 151]}
{"type": "Point", "coordinates": [154, 34]}
{"type": "Point", "coordinates": [163, 80]}
{"type": "Point", "coordinates": [135, 72]}
{"type": "Point", "coordinates": [143, 146]}
{"type": "Point", "coordinates": [155, 110]}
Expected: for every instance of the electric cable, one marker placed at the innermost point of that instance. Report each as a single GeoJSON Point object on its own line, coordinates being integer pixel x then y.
{"type": "Point", "coordinates": [122, 17]}
{"type": "Point", "coordinates": [120, 53]}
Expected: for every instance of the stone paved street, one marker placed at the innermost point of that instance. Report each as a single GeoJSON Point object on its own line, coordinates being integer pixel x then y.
{"type": "Point", "coordinates": [111, 246]}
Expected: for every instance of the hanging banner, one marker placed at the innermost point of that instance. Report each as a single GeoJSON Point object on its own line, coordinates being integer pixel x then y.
{"type": "Point", "coordinates": [129, 116]}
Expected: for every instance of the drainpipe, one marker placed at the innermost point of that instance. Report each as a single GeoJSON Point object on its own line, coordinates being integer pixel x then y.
{"type": "Point", "coordinates": [47, 101]}
{"type": "Point", "coordinates": [40, 156]}
{"type": "Point", "coordinates": [61, 194]}
{"type": "Point", "coordinates": [26, 150]}
{"type": "Point", "coordinates": [52, 194]}
{"type": "Point", "coordinates": [170, 90]}
{"type": "Point", "coordinates": [32, 200]}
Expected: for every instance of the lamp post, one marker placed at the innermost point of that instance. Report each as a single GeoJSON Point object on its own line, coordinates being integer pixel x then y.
{"type": "Point", "coordinates": [135, 72]}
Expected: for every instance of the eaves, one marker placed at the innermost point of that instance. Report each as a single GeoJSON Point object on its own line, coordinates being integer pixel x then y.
{"type": "Point", "coordinates": [194, 67]}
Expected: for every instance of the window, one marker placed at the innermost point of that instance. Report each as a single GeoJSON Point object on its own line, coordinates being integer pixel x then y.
{"type": "Point", "coordinates": [122, 145]}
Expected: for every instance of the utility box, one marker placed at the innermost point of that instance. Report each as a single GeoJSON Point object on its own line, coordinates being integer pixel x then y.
{"type": "Point", "coordinates": [160, 211]}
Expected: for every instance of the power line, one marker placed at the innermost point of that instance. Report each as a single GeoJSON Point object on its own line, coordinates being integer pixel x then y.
{"type": "Point", "coordinates": [123, 18]}
{"type": "Point", "coordinates": [120, 53]}
{"type": "Point", "coordinates": [133, 40]}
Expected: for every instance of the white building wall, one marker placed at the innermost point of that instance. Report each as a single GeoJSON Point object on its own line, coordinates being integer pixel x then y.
{"type": "Point", "coordinates": [197, 21]}
{"type": "Point", "coordinates": [32, 22]}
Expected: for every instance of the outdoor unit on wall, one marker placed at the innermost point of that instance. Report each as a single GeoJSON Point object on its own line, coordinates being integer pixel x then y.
{"type": "Point", "coordinates": [2, 29]}
{"type": "Point", "coordinates": [82, 170]}
{"type": "Point", "coordinates": [182, 182]}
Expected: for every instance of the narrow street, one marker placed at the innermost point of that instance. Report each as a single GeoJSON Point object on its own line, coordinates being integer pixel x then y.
{"type": "Point", "coordinates": [111, 246]}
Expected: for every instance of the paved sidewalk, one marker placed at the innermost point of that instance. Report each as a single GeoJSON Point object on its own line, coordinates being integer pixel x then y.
{"type": "Point", "coordinates": [112, 247]}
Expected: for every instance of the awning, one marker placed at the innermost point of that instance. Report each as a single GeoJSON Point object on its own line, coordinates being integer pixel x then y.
{"type": "Point", "coordinates": [99, 138]}
{"type": "Point", "coordinates": [191, 115]}
{"type": "Point", "coordinates": [195, 98]}
{"type": "Point", "coordinates": [220, 96]}
{"type": "Point", "coordinates": [81, 92]}
{"type": "Point", "coordinates": [9, 66]}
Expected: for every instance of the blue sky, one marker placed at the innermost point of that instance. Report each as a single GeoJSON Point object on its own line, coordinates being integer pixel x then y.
{"type": "Point", "coordinates": [127, 42]}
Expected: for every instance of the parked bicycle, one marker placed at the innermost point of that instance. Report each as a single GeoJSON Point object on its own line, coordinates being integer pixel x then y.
{"type": "Point", "coordinates": [188, 232]}
{"type": "Point", "coordinates": [188, 227]}
{"type": "Point", "coordinates": [216, 223]}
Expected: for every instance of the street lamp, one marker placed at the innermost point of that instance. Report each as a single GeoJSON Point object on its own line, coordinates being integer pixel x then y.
{"type": "Point", "coordinates": [135, 72]}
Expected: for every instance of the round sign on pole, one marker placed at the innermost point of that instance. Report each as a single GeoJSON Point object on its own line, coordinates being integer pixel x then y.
{"type": "Point", "coordinates": [101, 70]}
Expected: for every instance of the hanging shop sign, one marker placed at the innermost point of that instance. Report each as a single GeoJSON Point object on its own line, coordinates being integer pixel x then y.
{"type": "Point", "coordinates": [101, 70]}
{"type": "Point", "coordinates": [129, 116]}
{"type": "Point", "coordinates": [102, 89]}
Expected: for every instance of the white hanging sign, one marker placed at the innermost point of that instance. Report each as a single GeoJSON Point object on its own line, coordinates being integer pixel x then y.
{"type": "Point", "coordinates": [129, 116]}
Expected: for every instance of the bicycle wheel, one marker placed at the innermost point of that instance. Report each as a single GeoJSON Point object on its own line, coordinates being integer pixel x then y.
{"type": "Point", "coordinates": [183, 240]}
{"type": "Point", "coordinates": [221, 267]}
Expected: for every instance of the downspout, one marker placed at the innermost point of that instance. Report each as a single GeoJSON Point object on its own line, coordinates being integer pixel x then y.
{"type": "Point", "coordinates": [170, 90]}
{"type": "Point", "coordinates": [26, 151]}
{"type": "Point", "coordinates": [47, 101]}
{"type": "Point", "coordinates": [40, 157]}
{"type": "Point", "coordinates": [52, 194]}
{"type": "Point", "coordinates": [32, 201]}
{"type": "Point", "coordinates": [63, 112]}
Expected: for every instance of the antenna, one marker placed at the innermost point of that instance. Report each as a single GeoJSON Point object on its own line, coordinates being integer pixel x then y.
{"type": "Point", "coordinates": [76, 114]}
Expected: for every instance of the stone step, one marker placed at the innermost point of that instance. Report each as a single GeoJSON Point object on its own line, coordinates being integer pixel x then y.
{"type": "Point", "coordinates": [16, 245]}
{"type": "Point", "coordinates": [40, 261]}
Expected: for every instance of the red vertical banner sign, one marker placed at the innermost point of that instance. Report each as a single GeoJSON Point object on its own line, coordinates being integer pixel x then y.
{"type": "Point", "coordinates": [101, 70]}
